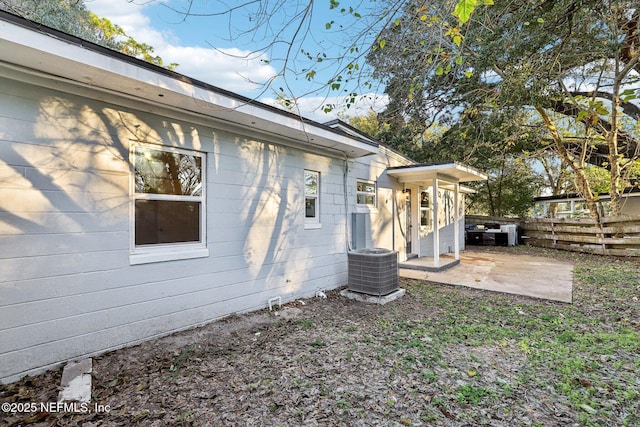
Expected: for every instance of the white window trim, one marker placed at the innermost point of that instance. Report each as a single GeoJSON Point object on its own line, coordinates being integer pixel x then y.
{"type": "Point", "coordinates": [173, 251]}
{"type": "Point", "coordinates": [312, 223]}
{"type": "Point", "coordinates": [364, 207]}
{"type": "Point", "coordinates": [428, 209]}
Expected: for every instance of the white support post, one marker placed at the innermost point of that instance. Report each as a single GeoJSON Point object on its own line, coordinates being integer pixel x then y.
{"type": "Point", "coordinates": [456, 220]}
{"type": "Point", "coordinates": [415, 222]}
{"type": "Point", "coordinates": [436, 229]}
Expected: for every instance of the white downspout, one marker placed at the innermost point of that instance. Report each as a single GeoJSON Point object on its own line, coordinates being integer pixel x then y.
{"type": "Point", "coordinates": [394, 206]}
{"type": "Point", "coordinates": [456, 220]}
{"type": "Point", "coordinates": [436, 229]}
{"type": "Point", "coordinates": [345, 181]}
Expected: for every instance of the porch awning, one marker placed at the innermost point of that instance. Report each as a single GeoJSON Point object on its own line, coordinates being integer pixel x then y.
{"type": "Point", "coordinates": [449, 172]}
{"type": "Point", "coordinates": [439, 175]}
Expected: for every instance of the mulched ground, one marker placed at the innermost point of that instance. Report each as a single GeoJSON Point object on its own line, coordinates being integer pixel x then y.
{"type": "Point", "coordinates": [437, 356]}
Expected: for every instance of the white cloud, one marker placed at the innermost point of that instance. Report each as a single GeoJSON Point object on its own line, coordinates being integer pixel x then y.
{"type": "Point", "coordinates": [230, 69]}
{"type": "Point", "coordinates": [312, 107]}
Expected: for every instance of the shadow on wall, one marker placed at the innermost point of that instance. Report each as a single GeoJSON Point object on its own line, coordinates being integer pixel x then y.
{"type": "Point", "coordinates": [269, 215]}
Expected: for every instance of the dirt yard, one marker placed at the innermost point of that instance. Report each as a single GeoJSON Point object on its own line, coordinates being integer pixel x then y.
{"type": "Point", "coordinates": [440, 355]}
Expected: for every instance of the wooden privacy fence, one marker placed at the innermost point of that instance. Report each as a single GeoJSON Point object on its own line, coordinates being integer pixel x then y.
{"type": "Point", "coordinates": [618, 236]}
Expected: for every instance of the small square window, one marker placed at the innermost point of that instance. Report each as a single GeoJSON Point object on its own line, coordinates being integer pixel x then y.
{"type": "Point", "coordinates": [366, 193]}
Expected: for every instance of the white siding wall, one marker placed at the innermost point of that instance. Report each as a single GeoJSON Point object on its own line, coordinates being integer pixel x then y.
{"type": "Point", "coordinates": [447, 239]}
{"type": "Point", "coordinates": [447, 231]}
{"type": "Point", "coordinates": [631, 205]}
{"type": "Point", "coordinates": [67, 288]}
{"type": "Point", "coordinates": [384, 226]}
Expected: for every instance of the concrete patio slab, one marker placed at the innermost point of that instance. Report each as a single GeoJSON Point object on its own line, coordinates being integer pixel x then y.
{"type": "Point", "coordinates": [533, 276]}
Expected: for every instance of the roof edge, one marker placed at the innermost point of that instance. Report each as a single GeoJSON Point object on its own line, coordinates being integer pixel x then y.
{"type": "Point", "coordinates": [96, 48]}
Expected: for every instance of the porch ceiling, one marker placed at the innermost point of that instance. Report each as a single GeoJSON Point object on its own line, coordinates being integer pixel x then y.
{"type": "Point", "coordinates": [449, 172]}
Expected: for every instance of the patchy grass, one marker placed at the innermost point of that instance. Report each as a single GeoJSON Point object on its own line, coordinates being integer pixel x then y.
{"type": "Point", "coordinates": [441, 355]}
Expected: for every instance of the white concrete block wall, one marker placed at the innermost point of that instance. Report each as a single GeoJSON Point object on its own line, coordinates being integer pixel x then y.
{"type": "Point", "coordinates": [385, 230]}
{"type": "Point", "coordinates": [67, 288]}
{"type": "Point", "coordinates": [447, 240]}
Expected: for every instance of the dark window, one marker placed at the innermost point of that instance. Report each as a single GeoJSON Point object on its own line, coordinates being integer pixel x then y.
{"type": "Point", "coordinates": [163, 221]}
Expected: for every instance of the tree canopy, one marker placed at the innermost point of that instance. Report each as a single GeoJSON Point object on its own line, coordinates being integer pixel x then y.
{"type": "Point", "coordinates": [574, 65]}
{"type": "Point", "coordinates": [72, 17]}
{"type": "Point", "coordinates": [565, 72]}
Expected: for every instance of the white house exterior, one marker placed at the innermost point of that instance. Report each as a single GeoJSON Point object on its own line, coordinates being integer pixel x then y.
{"type": "Point", "coordinates": [574, 205]}
{"type": "Point", "coordinates": [135, 202]}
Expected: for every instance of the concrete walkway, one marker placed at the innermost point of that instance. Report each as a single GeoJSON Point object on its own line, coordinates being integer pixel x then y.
{"type": "Point", "coordinates": [532, 276]}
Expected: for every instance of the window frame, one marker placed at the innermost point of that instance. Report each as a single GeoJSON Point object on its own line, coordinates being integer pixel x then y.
{"type": "Point", "coordinates": [159, 252]}
{"type": "Point", "coordinates": [373, 205]}
{"type": "Point", "coordinates": [312, 222]}
{"type": "Point", "coordinates": [426, 209]}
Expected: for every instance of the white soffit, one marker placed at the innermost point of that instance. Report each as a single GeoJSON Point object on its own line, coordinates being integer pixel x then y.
{"type": "Point", "coordinates": [71, 61]}
{"type": "Point", "coordinates": [449, 172]}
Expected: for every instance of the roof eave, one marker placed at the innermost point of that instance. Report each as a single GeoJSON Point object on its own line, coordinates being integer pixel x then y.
{"type": "Point", "coordinates": [451, 172]}
{"type": "Point", "coordinates": [75, 60]}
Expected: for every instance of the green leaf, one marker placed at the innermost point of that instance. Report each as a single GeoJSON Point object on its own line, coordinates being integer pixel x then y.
{"type": "Point", "coordinates": [382, 43]}
{"type": "Point", "coordinates": [468, 74]}
{"type": "Point", "coordinates": [328, 25]}
{"type": "Point", "coordinates": [464, 9]}
{"type": "Point", "coordinates": [582, 115]}
{"type": "Point", "coordinates": [457, 39]}
{"type": "Point", "coordinates": [439, 71]}
{"type": "Point", "coordinates": [628, 95]}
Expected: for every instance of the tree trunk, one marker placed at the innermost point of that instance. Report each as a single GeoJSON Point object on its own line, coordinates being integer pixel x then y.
{"type": "Point", "coordinates": [614, 166]}
{"type": "Point", "coordinates": [492, 208]}
{"type": "Point", "coordinates": [579, 175]}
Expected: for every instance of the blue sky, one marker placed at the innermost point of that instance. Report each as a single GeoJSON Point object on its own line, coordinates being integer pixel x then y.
{"type": "Point", "coordinates": [208, 47]}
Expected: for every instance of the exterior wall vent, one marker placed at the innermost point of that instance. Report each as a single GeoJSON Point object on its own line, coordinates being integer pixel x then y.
{"type": "Point", "coordinates": [373, 271]}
